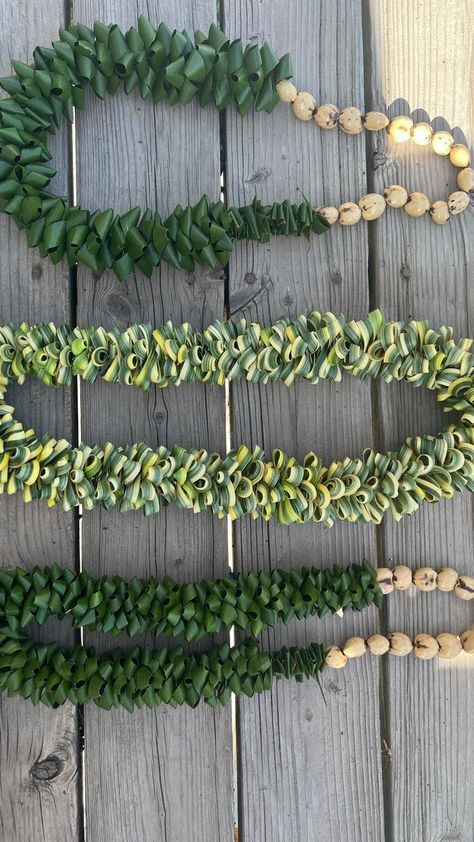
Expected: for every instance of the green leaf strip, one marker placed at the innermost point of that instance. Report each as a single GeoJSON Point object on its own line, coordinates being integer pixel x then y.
{"type": "Point", "coordinates": [161, 65]}
{"type": "Point", "coordinates": [243, 481]}
{"type": "Point", "coordinates": [248, 601]}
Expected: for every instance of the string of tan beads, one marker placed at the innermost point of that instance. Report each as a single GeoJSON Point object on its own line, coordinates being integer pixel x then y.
{"type": "Point", "coordinates": [401, 129]}
{"type": "Point", "coordinates": [447, 579]}
{"type": "Point", "coordinates": [425, 647]}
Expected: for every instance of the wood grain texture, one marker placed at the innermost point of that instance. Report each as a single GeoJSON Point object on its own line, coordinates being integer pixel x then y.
{"type": "Point", "coordinates": [293, 748]}
{"type": "Point", "coordinates": [421, 57]}
{"type": "Point", "coordinates": [38, 747]}
{"type": "Point", "coordinates": [158, 774]}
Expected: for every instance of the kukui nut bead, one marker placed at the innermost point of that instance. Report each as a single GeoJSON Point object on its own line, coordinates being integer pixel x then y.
{"type": "Point", "coordinates": [330, 214]}
{"type": "Point", "coordinates": [378, 644]}
{"type": "Point", "coordinates": [449, 646]}
{"type": "Point", "coordinates": [304, 105]}
{"type": "Point", "coordinates": [400, 644]}
{"type": "Point", "coordinates": [374, 121]}
{"type": "Point", "coordinates": [350, 120]}
{"type": "Point", "coordinates": [286, 91]}
{"type": "Point", "coordinates": [385, 580]}
{"type": "Point", "coordinates": [402, 577]}
{"type": "Point", "coordinates": [354, 647]}
{"type": "Point", "coordinates": [447, 578]}
{"type": "Point", "coordinates": [464, 588]}
{"type": "Point", "coordinates": [458, 202]}
{"type": "Point", "coordinates": [327, 116]}
{"type": "Point", "coordinates": [399, 129]}
{"type": "Point", "coordinates": [465, 179]}
{"type": "Point", "coordinates": [467, 640]}
{"type": "Point", "coordinates": [421, 134]}
{"type": "Point", "coordinates": [417, 205]}
{"type": "Point", "coordinates": [349, 213]}
{"type": "Point", "coordinates": [372, 206]}
{"type": "Point", "coordinates": [335, 658]}
{"type": "Point", "coordinates": [442, 142]}
{"type": "Point", "coordinates": [395, 196]}
{"type": "Point", "coordinates": [459, 155]}
{"type": "Point", "coordinates": [426, 647]}
{"type": "Point", "coordinates": [425, 579]}
{"type": "Point", "coordinates": [439, 212]}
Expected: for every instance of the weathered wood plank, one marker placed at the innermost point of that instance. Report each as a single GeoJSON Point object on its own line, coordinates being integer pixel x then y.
{"type": "Point", "coordinates": [38, 747]}
{"type": "Point", "coordinates": [424, 271]}
{"type": "Point", "coordinates": [306, 768]}
{"type": "Point", "coordinates": [156, 774]}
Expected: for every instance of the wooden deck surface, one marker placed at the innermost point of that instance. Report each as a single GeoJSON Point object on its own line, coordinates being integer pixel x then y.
{"type": "Point", "coordinates": [390, 757]}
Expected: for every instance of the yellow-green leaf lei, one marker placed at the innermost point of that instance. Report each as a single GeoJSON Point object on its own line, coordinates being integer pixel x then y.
{"type": "Point", "coordinates": [245, 480]}
{"type": "Point", "coordinates": [162, 65]}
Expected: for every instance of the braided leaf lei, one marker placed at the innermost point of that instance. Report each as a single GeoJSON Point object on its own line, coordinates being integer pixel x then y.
{"type": "Point", "coordinates": [245, 480]}
{"type": "Point", "coordinates": [161, 65]}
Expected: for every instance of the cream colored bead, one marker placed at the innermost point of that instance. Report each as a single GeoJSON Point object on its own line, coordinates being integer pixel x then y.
{"type": "Point", "coordinates": [447, 578]}
{"type": "Point", "coordinates": [464, 588]}
{"type": "Point", "coordinates": [372, 206]}
{"type": "Point", "coordinates": [335, 658]}
{"type": "Point", "coordinates": [402, 577]}
{"type": "Point", "coordinates": [327, 116]}
{"type": "Point", "coordinates": [330, 214]}
{"type": "Point", "coordinates": [449, 646]}
{"type": "Point", "coordinates": [349, 213]}
{"type": "Point", "coordinates": [395, 195]}
{"type": "Point", "coordinates": [385, 580]}
{"type": "Point", "coordinates": [350, 120]}
{"type": "Point", "coordinates": [439, 212]}
{"type": "Point", "coordinates": [286, 91]}
{"type": "Point", "coordinates": [425, 579]}
{"type": "Point", "coordinates": [459, 155]}
{"type": "Point", "coordinates": [304, 105]}
{"type": "Point", "coordinates": [442, 142]}
{"type": "Point", "coordinates": [399, 129]}
{"type": "Point", "coordinates": [375, 121]}
{"type": "Point", "coordinates": [467, 640]}
{"type": "Point", "coordinates": [421, 134]}
{"type": "Point", "coordinates": [354, 647]}
{"type": "Point", "coordinates": [417, 204]}
{"type": "Point", "coordinates": [400, 644]}
{"type": "Point", "coordinates": [426, 647]}
{"type": "Point", "coordinates": [378, 644]}
{"type": "Point", "coordinates": [458, 202]}
{"type": "Point", "coordinates": [465, 179]}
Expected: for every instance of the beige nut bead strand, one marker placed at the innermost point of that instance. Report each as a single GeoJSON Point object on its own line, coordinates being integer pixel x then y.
{"type": "Point", "coordinates": [441, 143]}
{"type": "Point", "coordinates": [458, 202]}
{"type": "Point", "coordinates": [400, 644]}
{"type": "Point", "coordinates": [349, 213]}
{"type": "Point", "coordinates": [439, 212]}
{"type": "Point", "coordinates": [465, 179]}
{"type": "Point", "coordinates": [375, 121]}
{"type": "Point", "coordinates": [286, 91]}
{"type": "Point", "coordinates": [385, 580]}
{"type": "Point", "coordinates": [426, 647]}
{"type": "Point", "coordinates": [449, 646]}
{"type": "Point", "coordinates": [335, 658]}
{"type": "Point", "coordinates": [378, 644]}
{"type": "Point", "coordinates": [354, 647]}
{"type": "Point", "coordinates": [421, 134]}
{"type": "Point", "coordinates": [464, 588]}
{"type": "Point", "coordinates": [417, 205]}
{"type": "Point", "coordinates": [395, 195]}
{"type": "Point", "coordinates": [467, 640]}
{"type": "Point", "coordinates": [402, 577]}
{"type": "Point", "coordinates": [350, 120]}
{"type": "Point", "coordinates": [425, 579]}
{"type": "Point", "coordinates": [447, 578]}
{"type": "Point", "coordinates": [304, 106]}
{"type": "Point", "coordinates": [399, 129]}
{"type": "Point", "coordinates": [459, 155]}
{"type": "Point", "coordinates": [372, 206]}
{"type": "Point", "coordinates": [330, 214]}
{"type": "Point", "coordinates": [327, 116]}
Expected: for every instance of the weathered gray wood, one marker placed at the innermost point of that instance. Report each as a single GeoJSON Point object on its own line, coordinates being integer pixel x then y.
{"type": "Point", "coordinates": [38, 747]}
{"type": "Point", "coordinates": [157, 774]}
{"type": "Point", "coordinates": [308, 771]}
{"type": "Point", "coordinates": [424, 271]}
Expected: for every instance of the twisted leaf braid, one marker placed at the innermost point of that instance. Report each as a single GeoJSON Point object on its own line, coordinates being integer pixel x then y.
{"type": "Point", "coordinates": [161, 65]}
{"type": "Point", "coordinates": [254, 601]}
{"type": "Point", "coordinates": [244, 481]}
